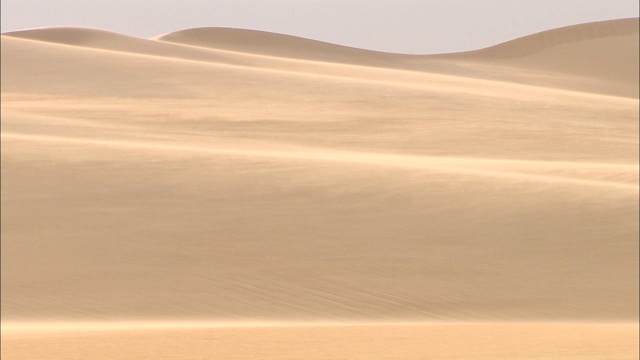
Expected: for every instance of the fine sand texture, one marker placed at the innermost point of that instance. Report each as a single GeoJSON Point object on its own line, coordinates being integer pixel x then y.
{"type": "Point", "coordinates": [450, 341]}
{"type": "Point", "coordinates": [232, 176]}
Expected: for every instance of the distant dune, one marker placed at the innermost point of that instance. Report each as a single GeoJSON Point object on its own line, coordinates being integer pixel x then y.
{"type": "Point", "coordinates": [602, 55]}
{"type": "Point", "coordinates": [272, 44]}
{"type": "Point", "coordinates": [229, 175]}
{"type": "Point", "coordinates": [599, 57]}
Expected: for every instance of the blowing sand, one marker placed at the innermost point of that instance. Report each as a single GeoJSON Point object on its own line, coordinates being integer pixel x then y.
{"type": "Point", "coordinates": [230, 176]}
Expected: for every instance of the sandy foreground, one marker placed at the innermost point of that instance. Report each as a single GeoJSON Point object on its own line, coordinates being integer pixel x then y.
{"type": "Point", "coordinates": [435, 341]}
{"type": "Point", "coordinates": [490, 197]}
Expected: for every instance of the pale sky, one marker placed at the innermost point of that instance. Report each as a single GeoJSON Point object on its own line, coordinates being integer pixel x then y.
{"type": "Point", "coordinates": [405, 26]}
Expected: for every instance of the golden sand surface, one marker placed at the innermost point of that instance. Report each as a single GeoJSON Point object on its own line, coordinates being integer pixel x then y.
{"type": "Point", "coordinates": [551, 341]}
{"type": "Point", "coordinates": [236, 175]}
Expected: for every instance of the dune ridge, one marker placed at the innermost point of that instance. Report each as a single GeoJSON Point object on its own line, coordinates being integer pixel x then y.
{"type": "Point", "coordinates": [547, 39]}
{"type": "Point", "coordinates": [555, 51]}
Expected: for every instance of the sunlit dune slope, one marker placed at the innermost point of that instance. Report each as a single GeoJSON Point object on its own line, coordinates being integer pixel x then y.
{"type": "Point", "coordinates": [198, 176]}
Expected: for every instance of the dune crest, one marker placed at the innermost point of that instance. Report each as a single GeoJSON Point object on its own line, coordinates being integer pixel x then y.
{"type": "Point", "coordinates": [599, 57]}
{"type": "Point", "coordinates": [605, 52]}
{"type": "Point", "coordinates": [544, 40]}
{"type": "Point", "coordinates": [268, 43]}
{"type": "Point", "coordinates": [75, 36]}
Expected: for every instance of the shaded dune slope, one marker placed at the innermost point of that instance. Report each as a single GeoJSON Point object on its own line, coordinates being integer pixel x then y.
{"type": "Point", "coordinates": [278, 45]}
{"type": "Point", "coordinates": [604, 52]}
{"type": "Point", "coordinates": [542, 41]}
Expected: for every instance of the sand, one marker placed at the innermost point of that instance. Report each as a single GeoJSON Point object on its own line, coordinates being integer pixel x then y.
{"type": "Point", "coordinates": [549, 341]}
{"type": "Point", "coordinates": [230, 176]}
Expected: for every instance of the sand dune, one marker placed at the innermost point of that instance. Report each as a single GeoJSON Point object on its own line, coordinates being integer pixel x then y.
{"type": "Point", "coordinates": [277, 45]}
{"type": "Point", "coordinates": [603, 51]}
{"type": "Point", "coordinates": [598, 57]}
{"type": "Point", "coordinates": [606, 51]}
{"type": "Point", "coordinates": [226, 175]}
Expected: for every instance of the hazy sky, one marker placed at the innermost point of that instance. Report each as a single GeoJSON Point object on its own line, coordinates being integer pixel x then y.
{"type": "Point", "coordinates": [409, 26]}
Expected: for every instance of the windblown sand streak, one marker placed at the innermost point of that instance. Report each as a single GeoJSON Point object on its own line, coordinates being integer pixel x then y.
{"type": "Point", "coordinates": [480, 167]}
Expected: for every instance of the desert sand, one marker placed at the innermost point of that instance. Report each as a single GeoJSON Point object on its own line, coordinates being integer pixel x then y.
{"type": "Point", "coordinates": [227, 193]}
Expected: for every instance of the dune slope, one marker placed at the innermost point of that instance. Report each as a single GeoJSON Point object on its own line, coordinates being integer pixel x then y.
{"type": "Point", "coordinates": [273, 44]}
{"type": "Point", "coordinates": [598, 57]}
{"type": "Point", "coordinates": [602, 56]}
{"type": "Point", "coordinates": [197, 176]}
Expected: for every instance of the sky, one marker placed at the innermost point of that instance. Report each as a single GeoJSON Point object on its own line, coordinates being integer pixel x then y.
{"type": "Point", "coordinates": [401, 26]}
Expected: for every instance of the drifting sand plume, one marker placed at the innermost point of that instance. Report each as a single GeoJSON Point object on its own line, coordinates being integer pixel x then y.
{"type": "Point", "coordinates": [281, 179]}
